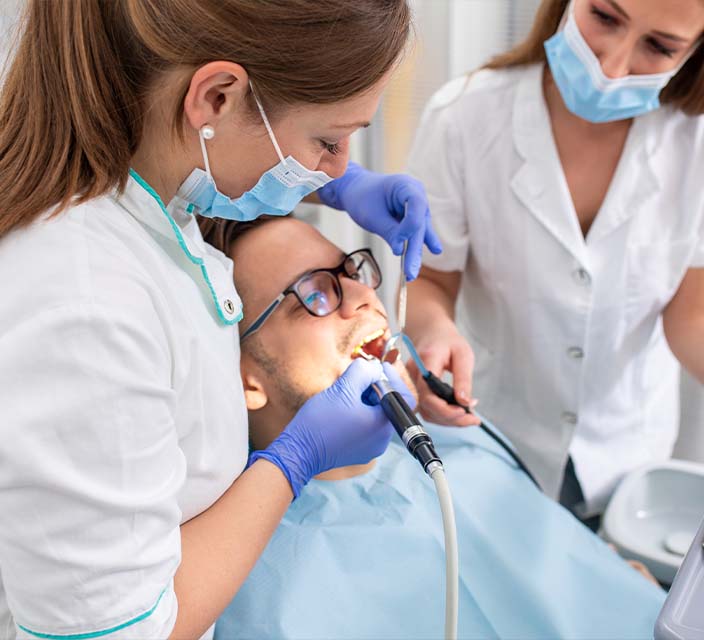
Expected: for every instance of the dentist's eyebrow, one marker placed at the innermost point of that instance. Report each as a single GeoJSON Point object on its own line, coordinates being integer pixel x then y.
{"type": "Point", "coordinates": [619, 9]}
{"type": "Point", "coordinates": [670, 36]}
{"type": "Point", "coordinates": [353, 125]}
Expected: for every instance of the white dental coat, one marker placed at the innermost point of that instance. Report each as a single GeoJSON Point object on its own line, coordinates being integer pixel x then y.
{"type": "Point", "coordinates": [567, 332]}
{"type": "Point", "coordinates": [122, 413]}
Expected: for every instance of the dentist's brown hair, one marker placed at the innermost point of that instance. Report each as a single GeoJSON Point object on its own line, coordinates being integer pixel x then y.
{"type": "Point", "coordinates": [685, 91]}
{"type": "Point", "coordinates": [72, 104]}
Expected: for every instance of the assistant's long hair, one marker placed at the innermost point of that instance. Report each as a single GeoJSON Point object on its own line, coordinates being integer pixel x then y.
{"type": "Point", "coordinates": [685, 91]}
{"type": "Point", "coordinates": [73, 103]}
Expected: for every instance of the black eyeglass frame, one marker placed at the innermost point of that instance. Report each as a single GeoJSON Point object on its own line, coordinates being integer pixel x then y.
{"type": "Point", "coordinates": [293, 289]}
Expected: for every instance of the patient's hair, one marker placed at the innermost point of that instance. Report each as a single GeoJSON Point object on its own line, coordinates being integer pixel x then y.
{"type": "Point", "coordinates": [223, 235]}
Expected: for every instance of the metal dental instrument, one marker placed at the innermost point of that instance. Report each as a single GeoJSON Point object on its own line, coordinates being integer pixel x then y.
{"type": "Point", "coordinates": [402, 299]}
{"type": "Point", "coordinates": [402, 292]}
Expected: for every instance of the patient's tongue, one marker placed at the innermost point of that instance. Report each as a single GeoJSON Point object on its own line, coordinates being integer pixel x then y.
{"type": "Point", "coordinates": [375, 347]}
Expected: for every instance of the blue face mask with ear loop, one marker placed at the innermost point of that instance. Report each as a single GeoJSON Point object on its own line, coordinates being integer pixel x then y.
{"type": "Point", "coordinates": [587, 91]}
{"type": "Point", "coordinates": [277, 192]}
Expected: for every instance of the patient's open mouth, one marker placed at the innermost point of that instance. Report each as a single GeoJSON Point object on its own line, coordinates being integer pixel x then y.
{"type": "Point", "coordinates": [372, 348]}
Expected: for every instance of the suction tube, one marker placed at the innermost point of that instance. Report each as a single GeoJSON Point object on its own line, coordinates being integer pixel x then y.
{"type": "Point", "coordinates": [408, 427]}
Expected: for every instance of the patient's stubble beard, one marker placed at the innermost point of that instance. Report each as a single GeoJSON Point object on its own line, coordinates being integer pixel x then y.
{"type": "Point", "coordinates": [289, 389]}
{"type": "Point", "coordinates": [290, 393]}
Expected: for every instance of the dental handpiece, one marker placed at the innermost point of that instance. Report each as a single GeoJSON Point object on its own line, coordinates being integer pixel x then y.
{"type": "Point", "coordinates": [418, 442]}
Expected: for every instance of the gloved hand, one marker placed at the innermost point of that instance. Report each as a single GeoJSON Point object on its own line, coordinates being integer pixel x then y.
{"type": "Point", "coordinates": [377, 202]}
{"type": "Point", "coordinates": [442, 348]}
{"type": "Point", "coordinates": [335, 428]}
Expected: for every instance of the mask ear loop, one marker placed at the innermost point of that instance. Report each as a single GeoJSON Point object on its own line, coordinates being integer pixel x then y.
{"type": "Point", "coordinates": [269, 130]}
{"type": "Point", "coordinates": [565, 16]}
{"type": "Point", "coordinates": [206, 132]}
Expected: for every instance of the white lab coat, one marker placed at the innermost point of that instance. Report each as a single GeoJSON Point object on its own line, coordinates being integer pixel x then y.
{"type": "Point", "coordinates": [123, 412]}
{"type": "Point", "coordinates": [567, 332]}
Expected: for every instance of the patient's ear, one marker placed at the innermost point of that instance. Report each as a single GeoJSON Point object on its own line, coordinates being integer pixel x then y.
{"type": "Point", "coordinates": [254, 393]}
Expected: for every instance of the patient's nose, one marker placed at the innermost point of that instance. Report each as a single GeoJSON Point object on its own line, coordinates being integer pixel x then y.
{"type": "Point", "coordinates": [355, 297]}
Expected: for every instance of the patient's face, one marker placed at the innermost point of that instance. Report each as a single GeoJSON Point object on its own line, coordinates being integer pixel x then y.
{"type": "Point", "coordinates": [296, 354]}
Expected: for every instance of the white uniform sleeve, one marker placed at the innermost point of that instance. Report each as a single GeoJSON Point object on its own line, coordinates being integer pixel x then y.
{"type": "Point", "coordinates": [89, 471]}
{"type": "Point", "coordinates": [697, 261]}
{"type": "Point", "coordinates": [436, 160]}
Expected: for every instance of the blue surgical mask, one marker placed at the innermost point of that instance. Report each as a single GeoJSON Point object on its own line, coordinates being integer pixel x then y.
{"type": "Point", "coordinates": [276, 193]}
{"type": "Point", "coordinates": [587, 91]}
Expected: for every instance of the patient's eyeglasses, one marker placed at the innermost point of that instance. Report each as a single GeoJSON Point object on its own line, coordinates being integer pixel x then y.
{"type": "Point", "coordinates": [320, 291]}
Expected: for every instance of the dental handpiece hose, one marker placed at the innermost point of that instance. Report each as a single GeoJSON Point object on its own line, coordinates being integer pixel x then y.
{"type": "Point", "coordinates": [420, 446]}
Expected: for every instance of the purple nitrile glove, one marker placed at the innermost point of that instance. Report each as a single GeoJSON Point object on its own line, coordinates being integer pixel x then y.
{"type": "Point", "coordinates": [334, 428]}
{"type": "Point", "coordinates": [377, 202]}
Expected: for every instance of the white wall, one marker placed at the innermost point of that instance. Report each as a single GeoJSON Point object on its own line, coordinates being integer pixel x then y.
{"type": "Point", "coordinates": [9, 15]}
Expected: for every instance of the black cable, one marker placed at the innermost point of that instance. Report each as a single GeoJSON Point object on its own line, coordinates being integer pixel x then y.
{"type": "Point", "coordinates": [506, 447]}
{"type": "Point", "coordinates": [447, 393]}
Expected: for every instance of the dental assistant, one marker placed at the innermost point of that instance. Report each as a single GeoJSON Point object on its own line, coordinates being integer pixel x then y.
{"type": "Point", "coordinates": [126, 507]}
{"type": "Point", "coordinates": [565, 182]}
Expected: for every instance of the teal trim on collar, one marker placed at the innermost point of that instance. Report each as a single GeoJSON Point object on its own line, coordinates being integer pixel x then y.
{"type": "Point", "coordinates": [95, 634]}
{"type": "Point", "coordinates": [179, 236]}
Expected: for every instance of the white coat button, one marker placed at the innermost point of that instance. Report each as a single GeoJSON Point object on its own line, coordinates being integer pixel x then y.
{"type": "Point", "coordinates": [575, 353]}
{"type": "Point", "coordinates": [582, 277]}
{"type": "Point", "coordinates": [229, 306]}
{"type": "Point", "coordinates": [569, 418]}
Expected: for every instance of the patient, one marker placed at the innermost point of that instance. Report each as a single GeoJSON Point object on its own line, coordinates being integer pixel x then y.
{"type": "Point", "coordinates": [360, 553]}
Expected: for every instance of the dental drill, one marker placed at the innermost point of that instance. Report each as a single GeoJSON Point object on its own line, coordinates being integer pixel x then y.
{"type": "Point", "coordinates": [408, 427]}
{"type": "Point", "coordinates": [420, 446]}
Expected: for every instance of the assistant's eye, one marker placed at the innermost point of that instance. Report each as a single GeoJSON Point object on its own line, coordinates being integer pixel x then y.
{"type": "Point", "coordinates": [657, 47]}
{"type": "Point", "coordinates": [605, 18]}
{"type": "Point", "coordinates": [331, 147]}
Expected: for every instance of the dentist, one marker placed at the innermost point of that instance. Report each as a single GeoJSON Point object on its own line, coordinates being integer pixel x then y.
{"type": "Point", "coordinates": [126, 507]}
{"type": "Point", "coordinates": [565, 179]}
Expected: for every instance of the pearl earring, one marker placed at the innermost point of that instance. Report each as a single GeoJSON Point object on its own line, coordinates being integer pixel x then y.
{"type": "Point", "coordinates": [207, 132]}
